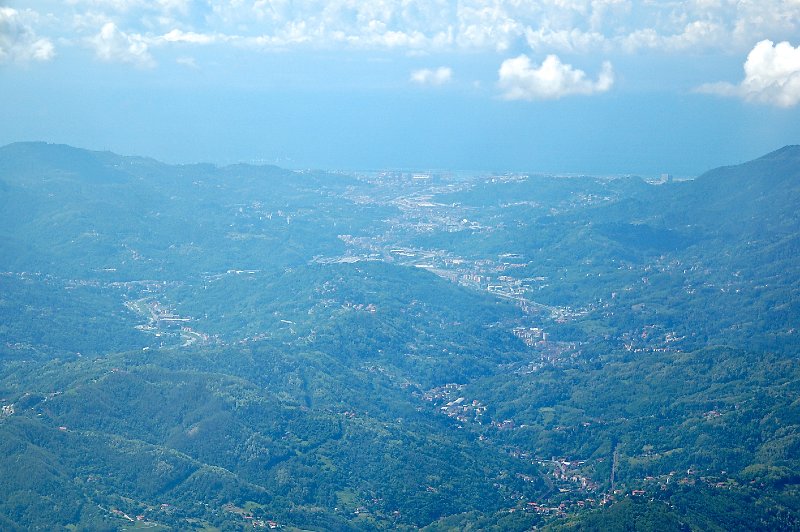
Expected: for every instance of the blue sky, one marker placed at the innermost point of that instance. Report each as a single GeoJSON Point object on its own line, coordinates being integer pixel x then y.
{"type": "Point", "coordinates": [594, 86]}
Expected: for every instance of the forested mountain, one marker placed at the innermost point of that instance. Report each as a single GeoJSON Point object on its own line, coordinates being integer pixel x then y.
{"type": "Point", "coordinates": [202, 347]}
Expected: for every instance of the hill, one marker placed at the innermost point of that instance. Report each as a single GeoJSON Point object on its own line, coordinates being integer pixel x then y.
{"type": "Point", "coordinates": [218, 347]}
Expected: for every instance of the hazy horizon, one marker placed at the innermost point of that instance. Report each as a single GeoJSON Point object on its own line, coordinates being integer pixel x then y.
{"type": "Point", "coordinates": [589, 87]}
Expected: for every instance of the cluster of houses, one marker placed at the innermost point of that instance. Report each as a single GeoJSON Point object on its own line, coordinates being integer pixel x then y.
{"type": "Point", "coordinates": [451, 403]}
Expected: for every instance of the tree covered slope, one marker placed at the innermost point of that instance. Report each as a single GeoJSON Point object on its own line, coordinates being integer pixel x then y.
{"type": "Point", "coordinates": [201, 347]}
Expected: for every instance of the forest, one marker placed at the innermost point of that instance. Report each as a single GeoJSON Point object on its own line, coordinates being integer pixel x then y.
{"type": "Point", "coordinates": [193, 347]}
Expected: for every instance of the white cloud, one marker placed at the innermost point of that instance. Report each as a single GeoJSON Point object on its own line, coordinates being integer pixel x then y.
{"type": "Point", "coordinates": [756, 19]}
{"type": "Point", "coordinates": [188, 37]}
{"type": "Point", "coordinates": [18, 41]}
{"type": "Point", "coordinates": [124, 6]}
{"type": "Point", "coordinates": [188, 62]}
{"type": "Point", "coordinates": [427, 76]}
{"type": "Point", "coordinates": [572, 40]}
{"type": "Point", "coordinates": [693, 36]}
{"type": "Point", "coordinates": [113, 45]}
{"type": "Point", "coordinates": [520, 80]}
{"type": "Point", "coordinates": [413, 26]}
{"type": "Point", "coordinates": [771, 76]}
{"type": "Point", "coordinates": [487, 26]}
{"type": "Point", "coordinates": [548, 26]}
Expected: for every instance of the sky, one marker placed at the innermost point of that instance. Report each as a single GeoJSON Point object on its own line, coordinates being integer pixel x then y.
{"type": "Point", "coordinates": [573, 86]}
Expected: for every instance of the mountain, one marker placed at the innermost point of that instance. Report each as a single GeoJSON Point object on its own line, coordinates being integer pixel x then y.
{"type": "Point", "coordinates": [202, 347]}
{"type": "Point", "coordinates": [34, 162]}
{"type": "Point", "coordinates": [747, 199]}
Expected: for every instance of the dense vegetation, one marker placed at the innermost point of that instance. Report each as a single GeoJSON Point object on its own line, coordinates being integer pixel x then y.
{"type": "Point", "coordinates": [193, 347]}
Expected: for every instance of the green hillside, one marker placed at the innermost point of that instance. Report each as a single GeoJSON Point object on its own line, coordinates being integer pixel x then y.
{"type": "Point", "coordinates": [219, 348]}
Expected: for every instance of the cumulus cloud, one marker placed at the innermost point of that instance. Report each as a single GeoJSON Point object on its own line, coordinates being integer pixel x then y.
{"type": "Point", "coordinates": [771, 76]}
{"type": "Point", "coordinates": [488, 26]}
{"type": "Point", "coordinates": [519, 79]}
{"type": "Point", "coordinates": [18, 41]}
{"type": "Point", "coordinates": [427, 76]}
{"type": "Point", "coordinates": [548, 26]}
{"type": "Point", "coordinates": [567, 40]}
{"type": "Point", "coordinates": [113, 45]}
{"type": "Point", "coordinates": [694, 35]}
{"type": "Point", "coordinates": [142, 27]}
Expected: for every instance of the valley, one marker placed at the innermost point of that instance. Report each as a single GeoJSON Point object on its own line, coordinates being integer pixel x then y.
{"type": "Point", "coordinates": [221, 347]}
